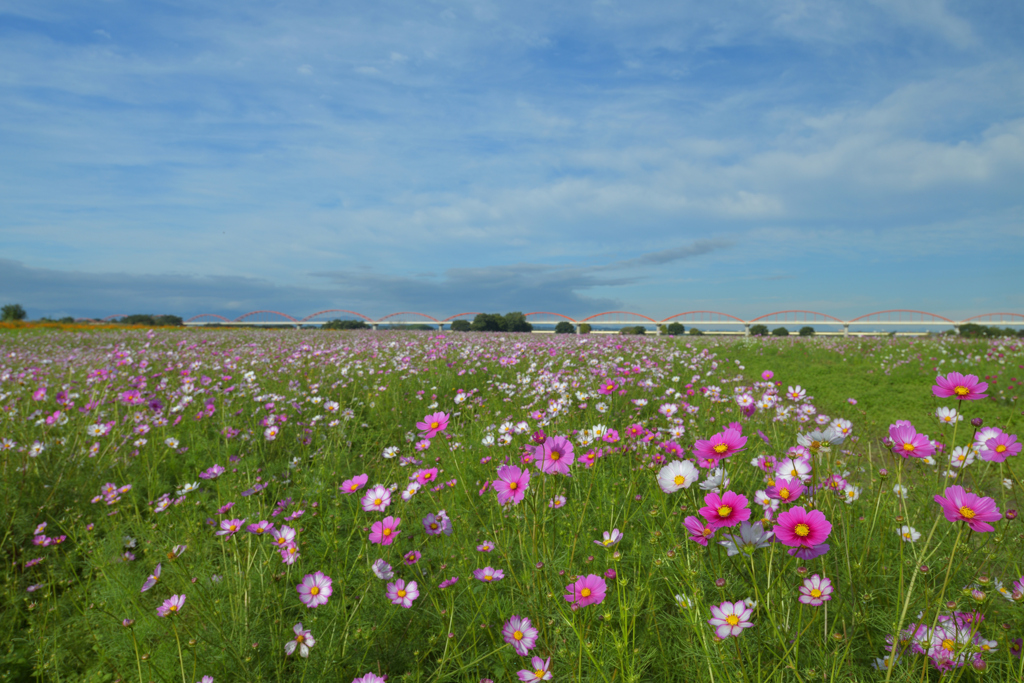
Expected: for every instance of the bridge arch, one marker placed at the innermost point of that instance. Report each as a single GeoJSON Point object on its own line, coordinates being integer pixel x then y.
{"type": "Point", "coordinates": [703, 317]}
{"type": "Point", "coordinates": [798, 316]}
{"type": "Point", "coordinates": [252, 313]}
{"type": "Point", "coordinates": [334, 310]}
{"type": "Point", "coordinates": [401, 315]}
{"type": "Point", "coordinates": [903, 316]}
{"type": "Point", "coordinates": [550, 314]}
{"type": "Point", "coordinates": [1004, 318]}
{"type": "Point", "coordinates": [196, 318]}
{"type": "Point", "coordinates": [620, 313]}
{"type": "Point", "coordinates": [460, 315]}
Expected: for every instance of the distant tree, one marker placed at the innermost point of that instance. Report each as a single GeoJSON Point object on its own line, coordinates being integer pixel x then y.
{"type": "Point", "coordinates": [695, 332]}
{"type": "Point", "coordinates": [12, 312]}
{"type": "Point", "coordinates": [759, 330]}
{"type": "Point", "coordinates": [488, 322]}
{"type": "Point", "coordinates": [807, 331]}
{"type": "Point", "coordinates": [780, 332]}
{"type": "Point", "coordinates": [585, 328]}
{"type": "Point", "coordinates": [154, 320]}
{"type": "Point", "coordinates": [345, 325]}
{"type": "Point", "coordinates": [517, 322]}
{"type": "Point", "coordinates": [675, 329]}
{"type": "Point", "coordinates": [419, 327]}
{"type": "Point", "coordinates": [634, 330]}
{"type": "Point", "coordinates": [564, 327]}
{"type": "Point", "coordinates": [461, 326]}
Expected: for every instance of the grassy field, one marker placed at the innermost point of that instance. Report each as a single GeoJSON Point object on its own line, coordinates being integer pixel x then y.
{"type": "Point", "coordinates": [337, 506]}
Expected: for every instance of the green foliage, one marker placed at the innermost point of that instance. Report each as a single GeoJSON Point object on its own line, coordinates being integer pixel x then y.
{"type": "Point", "coordinates": [759, 330]}
{"type": "Point", "coordinates": [780, 332]}
{"type": "Point", "coordinates": [461, 326]}
{"type": "Point", "coordinates": [675, 328]}
{"type": "Point", "coordinates": [12, 312]}
{"type": "Point", "coordinates": [494, 322]}
{"type": "Point", "coordinates": [633, 330]}
{"type": "Point", "coordinates": [152, 320]}
{"type": "Point", "coordinates": [974, 331]}
{"type": "Point", "coordinates": [585, 328]}
{"type": "Point", "coordinates": [517, 322]}
{"type": "Point", "coordinates": [345, 325]}
{"type": "Point", "coordinates": [695, 332]}
{"type": "Point", "coordinates": [564, 327]}
{"type": "Point", "coordinates": [806, 331]}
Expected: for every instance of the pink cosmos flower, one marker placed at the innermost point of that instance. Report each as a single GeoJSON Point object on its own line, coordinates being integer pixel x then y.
{"type": "Point", "coordinates": [432, 424]}
{"type": "Point", "coordinates": [786, 490]}
{"type": "Point", "coordinates": [400, 593]}
{"type": "Point", "coordinates": [303, 640]}
{"type": "Point", "coordinates": [816, 591]}
{"type": "Point", "coordinates": [520, 633]}
{"type": "Point", "coordinates": [412, 557]}
{"type": "Point", "coordinates": [354, 484]}
{"type": "Point", "coordinates": [719, 446]}
{"type": "Point", "coordinates": [489, 575]}
{"type": "Point", "coordinates": [767, 375]}
{"type": "Point", "coordinates": [171, 605]}
{"type": "Point", "coordinates": [730, 618]}
{"type": "Point", "coordinates": [587, 590]}
{"type": "Point", "coordinates": [907, 442]}
{"type": "Point", "coordinates": [965, 388]}
{"type": "Point", "coordinates": [798, 527]}
{"type": "Point", "coordinates": [511, 484]}
{"type": "Point", "coordinates": [370, 677]}
{"type": "Point", "coordinates": [289, 554]}
{"type": "Point", "coordinates": [610, 538]}
{"type": "Point", "coordinates": [998, 448]}
{"type": "Point", "coordinates": [385, 531]}
{"type": "Point", "coordinates": [376, 499]}
{"type": "Point", "coordinates": [436, 524]}
{"type": "Point", "coordinates": [228, 527]}
{"type": "Point", "coordinates": [540, 672]}
{"type": "Point", "coordinates": [382, 570]}
{"type": "Point", "coordinates": [724, 511]}
{"type": "Point", "coordinates": [607, 388]}
{"type": "Point", "coordinates": [960, 506]}
{"type": "Point", "coordinates": [284, 536]}
{"type": "Point", "coordinates": [554, 455]}
{"type": "Point", "coordinates": [485, 547]}
{"type": "Point", "coordinates": [699, 531]}
{"type": "Point", "coordinates": [315, 589]}
{"type": "Point", "coordinates": [635, 430]}
{"type": "Point", "coordinates": [260, 528]}
{"type": "Point", "coordinates": [151, 580]}
{"type": "Point", "coordinates": [426, 476]}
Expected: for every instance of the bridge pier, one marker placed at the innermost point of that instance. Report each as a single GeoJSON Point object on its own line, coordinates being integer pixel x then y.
{"type": "Point", "coordinates": [846, 329]}
{"type": "Point", "coordinates": [746, 329]}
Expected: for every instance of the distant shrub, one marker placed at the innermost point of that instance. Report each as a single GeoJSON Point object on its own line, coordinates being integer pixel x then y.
{"type": "Point", "coordinates": [155, 320]}
{"type": "Point", "coordinates": [675, 329]}
{"type": "Point", "coordinates": [780, 332]}
{"type": "Point", "coordinates": [565, 327]}
{"type": "Point", "coordinates": [12, 312]}
{"type": "Point", "coordinates": [975, 331]}
{"type": "Point", "coordinates": [806, 331]}
{"type": "Point", "coordinates": [695, 332]}
{"type": "Point", "coordinates": [461, 326]}
{"type": "Point", "coordinates": [759, 330]}
{"type": "Point", "coordinates": [635, 330]}
{"type": "Point", "coordinates": [585, 328]}
{"type": "Point", "coordinates": [345, 325]}
{"type": "Point", "coordinates": [495, 322]}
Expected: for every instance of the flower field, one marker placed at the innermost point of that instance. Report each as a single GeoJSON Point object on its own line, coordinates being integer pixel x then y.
{"type": "Point", "coordinates": [238, 505]}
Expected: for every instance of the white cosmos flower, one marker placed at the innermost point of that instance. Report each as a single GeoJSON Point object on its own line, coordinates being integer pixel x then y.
{"type": "Point", "coordinates": [716, 480]}
{"type": "Point", "coordinates": [678, 474]}
{"type": "Point", "coordinates": [390, 452]}
{"type": "Point", "coordinates": [909, 534]}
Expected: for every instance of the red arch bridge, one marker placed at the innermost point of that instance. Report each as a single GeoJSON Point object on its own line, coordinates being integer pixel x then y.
{"type": "Point", "coordinates": [609, 322]}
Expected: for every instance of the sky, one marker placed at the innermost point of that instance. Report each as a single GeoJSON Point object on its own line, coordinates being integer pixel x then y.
{"type": "Point", "coordinates": [192, 157]}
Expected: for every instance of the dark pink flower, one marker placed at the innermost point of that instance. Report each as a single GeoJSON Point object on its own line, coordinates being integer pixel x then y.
{"type": "Point", "coordinates": [719, 446]}
{"type": "Point", "coordinates": [432, 424]}
{"type": "Point", "coordinates": [587, 590]}
{"type": "Point", "coordinates": [786, 490]}
{"type": "Point", "coordinates": [385, 531]}
{"type": "Point", "coordinates": [907, 442]}
{"type": "Point", "coordinates": [726, 510]}
{"type": "Point", "coordinates": [554, 456]}
{"type": "Point", "coordinates": [961, 506]}
{"type": "Point", "coordinates": [354, 484]}
{"type": "Point", "coordinates": [699, 531]}
{"type": "Point", "coordinates": [511, 484]}
{"type": "Point", "coordinates": [798, 527]}
{"type": "Point", "coordinates": [965, 388]}
{"type": "Point", "coordinates": [1000, 447]}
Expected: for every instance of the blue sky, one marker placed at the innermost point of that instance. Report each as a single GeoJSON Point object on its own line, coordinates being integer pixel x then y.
{"type": "Point", "coordinates": [191, 157]}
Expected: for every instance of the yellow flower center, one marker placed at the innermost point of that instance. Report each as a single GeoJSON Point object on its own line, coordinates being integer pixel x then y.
{"type": "Point", "coordinates": [1000, 448]}
{"type": "Point", "coordinates": [433, 425]}
{"type": "Point", "coordinates": [513, 486]}
{"type": "Point", "coordinates": [908, 447]}
{"type": "Point", "coordinates": [784, 494]}
{"type": "Point", "coordinates": [299, 638]}
{"type": "Point", "coordinates": [539, 673]}
{"type": "Point", "coordinates": [679, 480]}
{"type": "Point", "coordinates": [949, 644]}
{"type": "Point", "coordinates": [802, 530]}
{"type": "Point", "coordinates": [232, 527]}
{"type": "Point", "coordinates": [488, 577]}
{"type": "Point", "coordinates": [518, 635]}
{"type": "Point", "coordinates": [732, 620]}
{"type": "Point", "coordinates": [606, 541]}
{"type": "Point", "coordinates": [724, 511]}
{"type": "Point", "coordinates": [353, 487]}
{"type": "Point", "coordinates": [815, 593]}
{"type": "Point", "coordinates": [387, 532]}
{"type": "Point", "coordinates": [961, 391]}
{"type": "Point", "coordinates": [172, 608]}
{"type": "Point", "coordinates": [585, 593]}
{"type": "Point", "coordinates": [967, 512]}
{"type": "Point", "coordinates": [401, 593]}
{"type": "Point", "coordinates": [377, 501]}
{"type": "Point", "coordinates": [555, 455]}
{"type": "Point", "coordinates": [315, 590]}
{"type": "Point", "coordinates": [720, 448]}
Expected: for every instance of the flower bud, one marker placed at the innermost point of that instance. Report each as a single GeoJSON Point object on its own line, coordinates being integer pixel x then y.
{"type": "Point", "coordinates": [127, 623]}
{"type": "Point", "coordinates": [978, 595]}
{"type": "Point", "coordinates": [923, 569]}
{"type": "Point", "coordinates": [883, 473]}
{"type": "Point", "coordinates": [977, 422]}
{"type": "Point", "coordinates": [1011, 514]}
{"type": "Point", "coordinates": [801, 571]}
{"type": "Point", "coordinates": [719, 582]}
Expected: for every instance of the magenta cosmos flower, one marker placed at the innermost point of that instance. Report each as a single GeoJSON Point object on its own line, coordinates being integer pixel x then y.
{"type": "Point", "coordinates": [376, 499]}
{"type": "Point", "coordinates": [1000, 447]}
{"type": "Point", "coordinates": [315, 589]}
{"type": "Point", "coordinates": [798, 527]}
{"type": "Point", "coordinates": [511, 484]}
{"type": "Point", "coordinates": [960, 506]}
{"type": "Point", "coordinates": [730, 618]}
{"type": "Point", "coordinates": [400, 593]}
{"type": "Point", "coordinates": [489, 574]}
{"type": "Point", "coordinates": [587, 590]}
{"type": "Point", "coordinates": [963, 387]}
{"type": "Point", "coordinates": [354, 484]}
{"type": "Point", "coordinates": [554, 456]}
{"type": "Point", "coordinates": [786, 490]}
{"type": "Point", "coordinates": [699, 531]}
{"type": "Point", "coordinates": [721, 445]}
{"type": "Point", "coordinates": [171, 605]}
{"type": "Point", "coordinates": [816, 591]}
{"type": "Point", "coordinates": [520, 633]}
{"type": "Point", "coordinates": [907, 442]}
{"type": "Point", "coordinates": [370, 677]}
{"type": "Point", "coordinates": [229, 527]}
{"type": "Point", "coordinates": [726, 510]}
{"type": "Point", "coordinates": [385, 531]}
{"type": "Point", "coordinates": [152, 579]}
{"type": "Point", "coordinates": [432, 424]}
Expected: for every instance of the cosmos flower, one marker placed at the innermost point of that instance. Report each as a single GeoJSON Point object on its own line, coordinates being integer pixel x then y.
{"type": "Point", "coordinates": [554, 456]}
{"type": "Point", "coordinates": [610, 538]}
{"type": "Point", "coordinates": [152, 579]}
{"type": "Point", "coordinates": [315, 589]}
{"type": "Point", "coordinates": [229, 527]}
{"type": "Point", "coordinates": [511, 484]}
{"type": "Point", "coordinates": [489, 575]}
{"type": "Point", "coordinates": [376, 499]}
{"type": "Point", "coordinates": [798, 527]}
{"type": "Point", "coordinates": [540, 671]}
{"type": "Point", "coordinates": [432, 424]}
{"type": "Point", "coordinates": [962, 387]}
{"type": "Point", "coordinates": [354, 484]}
{"type": "Point", "coordinates": [730, 618]}
{"type": "Point", "coordinates": [998, 448]}
{"type": "Point", "coordinates": [961, 506]}
{"type": "Point", "coordinates": [785, 490]}
{"type": "Point", "coordinates": [726, 510]}
{"type": "Point", "coordinates": [720, 446]}
{"type": "Point", "coordinates": [750, 538]}
{"type": "Point", "coordinates": [699, 531]}
{"type": "Point", "coordinates": [402, 594]}
{"type": "Point", "coordinates": [382, 570]}
{"type": "Point", "coordinates": [171, 605]}
{"type": "Point", "coordinates": [385, 531]}
{"type": "Point", "coordinates": [678, 474]}
{"type": "Point", "coordinates": [816, 591]}
{"type": "Point", "coordinates": [520, 633]}
{"type": "Point", "coordinates": [302, 641]}
{"type": "Point", "coordinates": [587, 590]}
